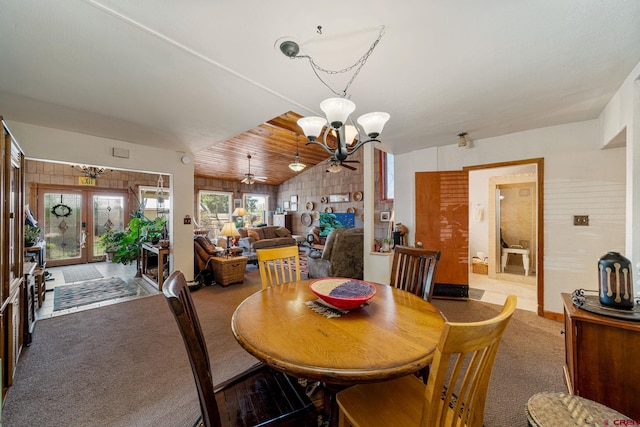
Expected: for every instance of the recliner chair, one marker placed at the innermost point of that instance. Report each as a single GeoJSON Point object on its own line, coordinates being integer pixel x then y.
{"type": "Point", "coordinates": [342, 255]}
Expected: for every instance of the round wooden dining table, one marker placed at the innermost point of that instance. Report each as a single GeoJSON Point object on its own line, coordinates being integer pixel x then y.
{"type": "Point", "coordinates": [395, 334]}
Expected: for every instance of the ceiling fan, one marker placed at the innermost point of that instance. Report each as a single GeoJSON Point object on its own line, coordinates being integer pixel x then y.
{"type": "Point", "coordinates": [250, 178]}
{"type": "Point", "coordinates": [336, 165]}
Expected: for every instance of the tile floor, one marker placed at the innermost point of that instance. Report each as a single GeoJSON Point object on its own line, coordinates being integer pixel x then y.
{"type": "Point", "coordinates": [107, 269]}
{"type": "Point", "coordinates": [495, 291]}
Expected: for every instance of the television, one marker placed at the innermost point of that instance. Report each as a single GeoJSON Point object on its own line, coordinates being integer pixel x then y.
{"type": "Point", "coordinates": [329, 221]}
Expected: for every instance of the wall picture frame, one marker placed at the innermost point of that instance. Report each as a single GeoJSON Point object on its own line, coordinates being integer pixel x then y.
{"type": "Point", "coordinates": [385, 216]}
{"type": "Point", "coordinates": [237, 203]}
{"type": "Point", "coordinates": [294, 199]}
{"type": "Point", "coordinates": [294, 207]}
{"type": "Point", "coordinates": [286, 205]}
{"type": "Point", "coordinates": [338, 198]}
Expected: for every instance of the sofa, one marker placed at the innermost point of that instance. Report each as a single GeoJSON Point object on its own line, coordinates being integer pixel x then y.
{"type": "Point", "coordinates": [342, 255]}
{"type": "Point", "coordinates": [270, 236]}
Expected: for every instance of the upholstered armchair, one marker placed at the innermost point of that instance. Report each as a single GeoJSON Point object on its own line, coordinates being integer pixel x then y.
{"type": "Point", "coordinates": [342, 255]}
{"type": "Point", "coordinates": [204, 249]}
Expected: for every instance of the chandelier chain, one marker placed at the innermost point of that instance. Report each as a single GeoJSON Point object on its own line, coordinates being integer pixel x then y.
{"type": "Point", "coordinates": [359, 64]}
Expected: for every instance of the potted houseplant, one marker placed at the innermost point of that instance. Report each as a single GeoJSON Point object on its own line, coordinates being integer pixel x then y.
{"type": "Point", "coordinates": [386, 244]}
{"type": "Point", "coordinates": [32, 235]}
{"type": "Point", "coordinates": [110, 242]}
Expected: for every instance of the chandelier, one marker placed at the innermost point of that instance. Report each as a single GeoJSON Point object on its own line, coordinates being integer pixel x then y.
{"type": "Point", "coordinates": [90, 171]}
{"type": "Point", "coordinates": [350, 135]}
{"type": "Point", "coordinates": [296, 166]}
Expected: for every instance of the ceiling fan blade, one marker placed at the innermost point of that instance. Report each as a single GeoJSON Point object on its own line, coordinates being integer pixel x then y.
{"type": "Point", "coordinates": [351, 161]}
{"type": "Point", "coordinates": [348, 167]}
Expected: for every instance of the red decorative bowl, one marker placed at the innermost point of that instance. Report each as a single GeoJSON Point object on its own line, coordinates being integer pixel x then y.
{"type": "Point", "coordinates": [343, 293]}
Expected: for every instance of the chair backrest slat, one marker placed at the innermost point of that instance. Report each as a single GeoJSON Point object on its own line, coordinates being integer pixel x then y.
{"type": "Point", "coordinates": [413, 270]}
{"type": "Point", "coordinates": [278, 265]}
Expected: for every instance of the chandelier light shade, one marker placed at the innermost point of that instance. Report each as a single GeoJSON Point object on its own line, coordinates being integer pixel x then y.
{"type": "Point", "coordinates": [373, 123]}
{"type": "Point", "coordinates": [337, 110]}
{"type": "Point", "coordinates": [312, 126]}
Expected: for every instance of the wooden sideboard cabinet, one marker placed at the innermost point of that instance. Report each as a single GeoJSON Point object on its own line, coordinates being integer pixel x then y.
{"type": "Point", "coordinates": [602, 358]}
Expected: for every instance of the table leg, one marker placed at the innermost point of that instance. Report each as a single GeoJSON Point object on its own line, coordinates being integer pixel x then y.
{"type": "Point", "coordinates": [525, 263]}
{"type": "Point", "coordinates": [503, 261]}
{"type": "Point", "coordinates": [331, 409]}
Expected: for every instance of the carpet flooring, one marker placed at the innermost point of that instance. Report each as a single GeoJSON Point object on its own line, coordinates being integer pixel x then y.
{"type": "Point", "coordinates": [83, 293]}
{"type": "Point", "coordinates": [82, 272]}
{"type": "Point", "coordinates": [125, 364]}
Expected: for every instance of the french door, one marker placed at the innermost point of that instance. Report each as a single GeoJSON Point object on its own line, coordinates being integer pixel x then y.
{"type": "Point", "coordinates": [74, 218]}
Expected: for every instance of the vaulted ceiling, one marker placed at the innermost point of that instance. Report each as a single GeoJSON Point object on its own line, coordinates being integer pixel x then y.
{"type": "Point", "coordinates": [208, 78]}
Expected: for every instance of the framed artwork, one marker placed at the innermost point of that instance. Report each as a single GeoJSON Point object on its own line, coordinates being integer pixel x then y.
{"type": "Point", "coordinates": [385, 216]}
{"type": "Point", "coordinates": [286, 205]}
{"type": "Point", "coordinates": [294, 199]}
{"type": "Point", "coordinates": [294, 207]}
{"type": "Point", "coordinates": [337, 198]}
{"type": "Point", "coordinates": [237, 203]}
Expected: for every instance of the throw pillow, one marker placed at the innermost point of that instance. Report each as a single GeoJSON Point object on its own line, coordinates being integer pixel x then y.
{"type": "Point", "coordinates": [282, 232]}
{"type": "Point", "coordinates": [269, 232]}
{"type": "Point", "coordinates": [254, 234]}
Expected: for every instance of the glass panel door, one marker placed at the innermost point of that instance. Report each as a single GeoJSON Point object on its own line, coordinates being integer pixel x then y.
{"type": "Point", "coordinates": [75, 219]}
{"type": "Point", "coordinates": [108, 215]}
{"type": "Point", "coordinates": [63, 227]}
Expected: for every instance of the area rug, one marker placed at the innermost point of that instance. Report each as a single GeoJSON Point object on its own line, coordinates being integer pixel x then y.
{"type": "Point", "coordinates": [82, 272]}
{"type": "Point", "coordinates": [476, 294]}
{"type": "Point", "coordinates": [84, 293]}
{"type": "Point", "coordinates": [304, 267]}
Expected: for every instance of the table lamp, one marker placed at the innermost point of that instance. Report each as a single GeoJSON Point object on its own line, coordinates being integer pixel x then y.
{"type": "Point", "coordinates": [239, 212]}
{"type": "Point", "coordinates": [229, 230]}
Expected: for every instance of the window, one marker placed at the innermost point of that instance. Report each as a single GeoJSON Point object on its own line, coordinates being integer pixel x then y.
{"type": "Point", "coordinates": [155, 201]}
{"type": "Point", "coordinates": [256, 206]}
{"type": "Point", "coordinates": [214, 209]}
{"type": "Point", "coordinates": [386, 177]}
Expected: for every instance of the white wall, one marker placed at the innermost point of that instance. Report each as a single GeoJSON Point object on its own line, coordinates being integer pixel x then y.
{"type": "Point", "coordinates": [580, 179]}
{"type": "Point", "coordinates": [41, 143]}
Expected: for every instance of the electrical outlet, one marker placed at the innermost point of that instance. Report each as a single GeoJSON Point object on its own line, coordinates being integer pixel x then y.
{"type": "Point", "coordinates": [581, 220]}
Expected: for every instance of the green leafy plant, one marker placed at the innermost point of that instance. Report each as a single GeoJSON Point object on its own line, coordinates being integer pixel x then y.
{"type": "Point", "coordinates": [140, 230]}
{"type": "Point", "coordinates": [111, 240]}
{"type": "Point", "coordinates": [128, 243]}
{"type": "Point", "coordinates": [32, 234]}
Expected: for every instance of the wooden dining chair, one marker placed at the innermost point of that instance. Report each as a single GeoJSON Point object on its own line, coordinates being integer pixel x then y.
{"type": "Point", "coordinates": [413, 270]}
{"type": "Point", "coordinates": [455, 392]}
{"type": "Point", "coordinates": [275, 398]}
{"type": "Point", "coordinates": [278, 265]}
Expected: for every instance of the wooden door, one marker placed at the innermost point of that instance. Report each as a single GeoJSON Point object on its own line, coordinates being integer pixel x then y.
{"type": "Point", "coordinates": [442, 223]}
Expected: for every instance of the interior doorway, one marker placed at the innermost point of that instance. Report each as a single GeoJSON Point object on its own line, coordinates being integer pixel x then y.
{"type": "Point", "coordinates": [520, 180]}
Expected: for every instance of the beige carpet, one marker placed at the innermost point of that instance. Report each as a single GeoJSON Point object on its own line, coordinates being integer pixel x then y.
{"type": "Point", "coordinates": [125, 364]}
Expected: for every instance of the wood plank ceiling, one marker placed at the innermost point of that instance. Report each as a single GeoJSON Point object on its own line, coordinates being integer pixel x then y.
{"type": "Point", "coordinates": [272, 146]}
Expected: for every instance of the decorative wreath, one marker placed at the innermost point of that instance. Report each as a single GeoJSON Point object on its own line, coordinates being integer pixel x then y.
{"type": "Point", "coordinates": [61, 210]}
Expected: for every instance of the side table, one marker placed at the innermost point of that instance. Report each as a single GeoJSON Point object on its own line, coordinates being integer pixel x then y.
{"type": "Point", "coordinates": [227, 271]}
{"type": "Point", "coordinates": [153, 272]}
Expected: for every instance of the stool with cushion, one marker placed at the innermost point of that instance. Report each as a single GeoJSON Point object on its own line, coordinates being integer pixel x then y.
{"type": "Point", "coordinates": [551, 409]}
